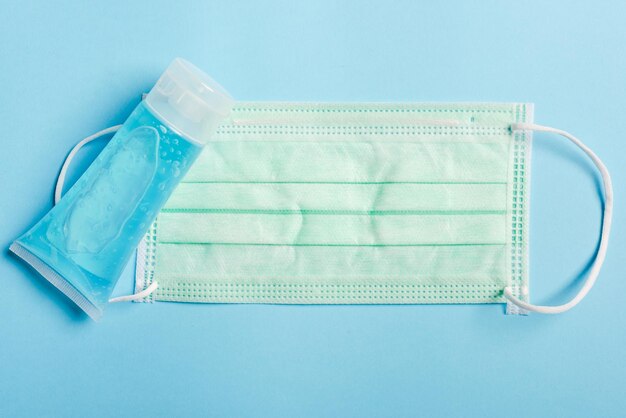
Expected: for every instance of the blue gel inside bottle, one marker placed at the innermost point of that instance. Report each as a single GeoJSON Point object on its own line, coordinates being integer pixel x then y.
{"type": "Point", "coordinates": [83, 244]}
{"type": "Point", "coordinates": [91, 233]}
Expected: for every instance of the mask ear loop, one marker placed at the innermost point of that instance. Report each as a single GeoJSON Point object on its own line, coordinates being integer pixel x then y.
{"type": "Point", "coordinates": [58, 191]}
{"type": "Point", "coordinates": [604, 235]}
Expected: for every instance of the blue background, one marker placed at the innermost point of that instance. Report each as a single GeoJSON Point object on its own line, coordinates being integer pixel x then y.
{"type": "Point", "coordinates": [68, 69]}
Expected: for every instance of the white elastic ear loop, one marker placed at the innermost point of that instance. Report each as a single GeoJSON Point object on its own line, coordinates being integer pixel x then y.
{"type": "Point", "coordinates": [604, 235]}
{"type": "Point", "coordinates": [139, 295]}
{"type": "Point", "coordinates": [58, 190]}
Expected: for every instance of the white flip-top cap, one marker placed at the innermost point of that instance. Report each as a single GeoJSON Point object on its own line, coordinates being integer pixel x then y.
{"type": "Point", "coordinates": [189, 101]}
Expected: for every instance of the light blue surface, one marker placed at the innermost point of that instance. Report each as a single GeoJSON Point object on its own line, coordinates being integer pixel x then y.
{"type": "Point", "coordinates": [72, 68]}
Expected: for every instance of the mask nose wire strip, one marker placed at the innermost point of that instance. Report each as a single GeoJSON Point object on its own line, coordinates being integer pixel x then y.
{"type": "Point", "coordinates": [58, 190]}
{"type": "Point", "coordinates": [604, 235]}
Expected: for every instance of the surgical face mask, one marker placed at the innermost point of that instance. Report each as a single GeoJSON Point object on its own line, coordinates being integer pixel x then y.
{"type": "Point", "coordinates": [355, 204]}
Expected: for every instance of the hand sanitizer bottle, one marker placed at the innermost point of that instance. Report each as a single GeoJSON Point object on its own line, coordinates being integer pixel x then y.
{"type": "Point", "coordinates": [82, 245]}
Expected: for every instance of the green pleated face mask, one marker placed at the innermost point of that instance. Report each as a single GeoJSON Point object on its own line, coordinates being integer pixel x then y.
{"type": "Point", "coordinates": [353, 204]}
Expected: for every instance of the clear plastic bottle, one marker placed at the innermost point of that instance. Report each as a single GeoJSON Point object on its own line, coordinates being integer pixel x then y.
{"type": "Point", "coordinates": [82, 245]}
